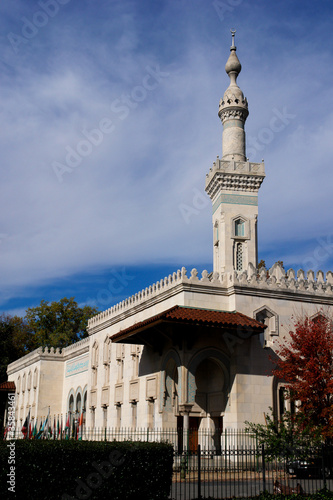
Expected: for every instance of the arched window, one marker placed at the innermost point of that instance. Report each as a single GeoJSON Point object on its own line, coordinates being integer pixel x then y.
{"type": "Point", "coordinates": [94, 364]}
{"type": "Point", "coordinates": [265, 315]}
{"type": "Point", "coordinates": [107, 359]}
{"type": "Point", "coordinates": [35, 381]}
{"type": "Point", "coordinates": [95, 355]}
{"type": "Point", "coordinates": [239, 257]}
{"type": "Point", "coordinates": [319, 318]}
{"type": "Point", "coordinates": [107, 350]}
{"type": "Point", "coordinates": [239, 227]}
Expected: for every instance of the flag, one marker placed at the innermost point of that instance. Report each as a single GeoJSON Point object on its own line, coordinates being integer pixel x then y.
{"type": "Point", "coordinates": [7, 429]}
{"type": "Point", "coordinates": [61, 428]}
{"type": "Point", "coordinates": [58, 428]}
{"type": "Point", "coordinates": [73, 429]}
{"type": "Point", "coordinates": [25, 427]}
{"type": "Point", "coordinates": [49, 430]}
{"type": "Point", "coordinates": [30, 431]}
{"type": "Point", "coordinates": [45, 426]}
{"type": "Point", "coordinates": [39, 433]}
{"type": "Point", "coordinates": [67, 429]}
{"type": "Point", "coordinates": [80, 427]}
{"type": "Point", "coordinates": [34, 432]}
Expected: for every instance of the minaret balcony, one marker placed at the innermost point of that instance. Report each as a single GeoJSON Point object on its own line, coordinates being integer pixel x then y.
{"type": "Point", "coordinates": [234, 176]}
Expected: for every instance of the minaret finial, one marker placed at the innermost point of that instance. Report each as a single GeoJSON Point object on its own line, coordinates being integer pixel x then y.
{"type": "Point", "coordinates": [233, 46]}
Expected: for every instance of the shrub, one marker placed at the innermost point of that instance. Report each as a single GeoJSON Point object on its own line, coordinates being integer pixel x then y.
{"type": "Point", "coordinates": [88, 469]}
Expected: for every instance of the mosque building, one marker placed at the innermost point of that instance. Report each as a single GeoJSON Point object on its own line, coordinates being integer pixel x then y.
{"type": "Point", "coordinates": [188, 351]}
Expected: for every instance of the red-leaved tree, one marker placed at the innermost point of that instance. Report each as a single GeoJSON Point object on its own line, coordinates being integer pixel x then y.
{"type": "Point", "coordinates": [306, 365]}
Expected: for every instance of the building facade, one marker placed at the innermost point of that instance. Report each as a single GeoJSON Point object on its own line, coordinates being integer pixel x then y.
{"type": "Point", "coordinates": [189, 351]}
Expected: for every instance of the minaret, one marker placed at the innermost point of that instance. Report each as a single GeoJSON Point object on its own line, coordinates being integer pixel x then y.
{"type": "Point", "coordinates": [233, 182]}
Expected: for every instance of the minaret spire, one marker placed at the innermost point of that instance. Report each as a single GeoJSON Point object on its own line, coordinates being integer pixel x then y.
{"type": "Point", "coordinates": [233, 110]}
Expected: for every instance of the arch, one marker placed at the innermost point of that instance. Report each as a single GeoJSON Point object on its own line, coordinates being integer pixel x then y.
{"type": "Point", "coordinates": [84, 398]}
{"type": "Point", "coordinates": [171, 355]}
{"type": "Point", "coordinates": [319, 317]}
{"type": "Point", "coordinates": [78, 400]}
{"type": "Point", "coordinates": [70, 401]}
{"type": "Point", "coordinates": [270, 318]}
{"type": "Point", "coordinates": [205, 354]}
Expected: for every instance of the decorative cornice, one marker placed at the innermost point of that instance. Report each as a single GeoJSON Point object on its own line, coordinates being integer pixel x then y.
{"type": "Point", "coordinates": [234, 176]}
{"type": "Point", "coordinates": [232, 113]}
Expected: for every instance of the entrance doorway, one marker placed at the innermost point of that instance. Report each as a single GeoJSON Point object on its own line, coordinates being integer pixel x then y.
{"type": "Point", "coordinates": [190, 439]}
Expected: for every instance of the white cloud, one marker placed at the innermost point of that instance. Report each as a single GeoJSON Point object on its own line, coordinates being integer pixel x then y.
{"type": "Point", "coordinates": [121, 204]}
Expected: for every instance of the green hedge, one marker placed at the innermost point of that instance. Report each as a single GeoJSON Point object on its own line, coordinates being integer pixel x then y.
{"type": "Point", "coordinates": [87, 469]}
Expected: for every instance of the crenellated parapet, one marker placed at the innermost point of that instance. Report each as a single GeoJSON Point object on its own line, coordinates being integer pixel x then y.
{"type": "Point", "coordinates": [39, 354]}
{"type": "Point", "coordinates": [156, 289]}
{"type": "Point", "coordinates": [279, 280]}
{"type": "Point", "coordinates": [50, 351]}
{"type": "Point", "coordinates": [274, 280]}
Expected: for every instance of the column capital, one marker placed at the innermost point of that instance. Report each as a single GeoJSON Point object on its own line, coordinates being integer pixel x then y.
{"type": "Point", "coordinates": [185, 408]}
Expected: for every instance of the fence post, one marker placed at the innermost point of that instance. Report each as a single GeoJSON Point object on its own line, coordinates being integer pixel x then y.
{"type": "Point", "coordinates": [199, 470]}
{"type": "Point", "coordinates": [263, 466]}
{"type": "Point", "coordinates": [323, 465]}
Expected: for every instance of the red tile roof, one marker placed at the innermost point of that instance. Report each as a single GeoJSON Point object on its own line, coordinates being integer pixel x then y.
{"type": "Point", "coordinates": [7, 386]}
{"type": "Point", "coordinates": [194, 316]}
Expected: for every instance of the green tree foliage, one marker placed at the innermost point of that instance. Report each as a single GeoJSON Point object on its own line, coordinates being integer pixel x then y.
{"type": "Point", "coordinates": [58, 324]}
{"type": "Point", "coordinates": [15, 341]}
{"type": "Point", "coordinates": [55, 324]}
{"type": "Point", "coordinates": [286, 436]}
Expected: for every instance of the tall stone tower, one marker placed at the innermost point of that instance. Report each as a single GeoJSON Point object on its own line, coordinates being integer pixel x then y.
{"type": "Point", "coordinates": [233, 183]}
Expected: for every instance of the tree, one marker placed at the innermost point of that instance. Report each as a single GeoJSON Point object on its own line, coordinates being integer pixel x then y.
{"type": "Point", "coordinates": [284, 437]}
{"type": "Point", "coordinates": [58, 324]}
{"type": "Point", "coordinates": [15, 341]}
{"type": "Point", "coordinates": [305, 364]}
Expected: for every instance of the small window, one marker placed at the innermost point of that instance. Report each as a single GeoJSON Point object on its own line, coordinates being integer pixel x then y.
{"type": "Point", "coordinates": [239, 227]}
{"type": "Point", "coordinates": [35, 381]}
{"type": "Point", "coordinates": [107, 351]}
{"type": "Point", "coordinates": [239, 257]}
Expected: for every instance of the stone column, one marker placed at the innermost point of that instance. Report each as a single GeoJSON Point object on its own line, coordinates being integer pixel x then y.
{"type": "Point", "coordinates": [184, 410]}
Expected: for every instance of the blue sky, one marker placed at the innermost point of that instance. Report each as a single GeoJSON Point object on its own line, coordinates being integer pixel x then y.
{"type": "Point", "coordinates": [109, 125]}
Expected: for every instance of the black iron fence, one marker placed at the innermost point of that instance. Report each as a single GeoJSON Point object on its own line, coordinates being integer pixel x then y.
{"type": "Point", "coordinates": [217, 464]}
{"type": "Point", "coordinates": [246, 472]}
